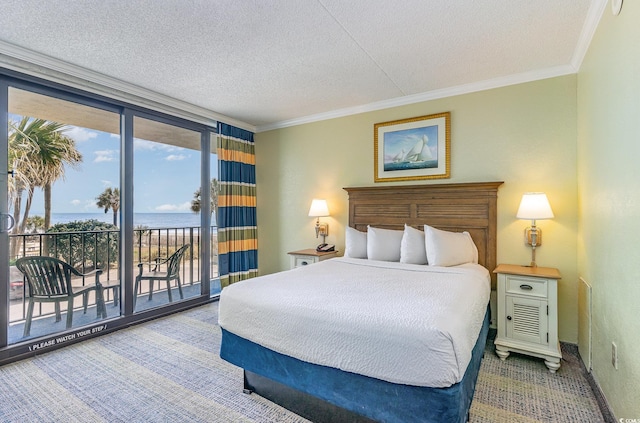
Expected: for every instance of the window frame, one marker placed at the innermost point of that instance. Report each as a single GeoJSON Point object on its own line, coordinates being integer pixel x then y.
{"type": "Point", "coordinates": [127, 111]}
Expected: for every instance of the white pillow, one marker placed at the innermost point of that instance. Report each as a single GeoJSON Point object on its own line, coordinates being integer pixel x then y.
{"type": "Point", "coordinates": [355, 243]}
{"type": "Point", "coordinates": [412, 248]}
{"type": "Point", "coordinates": [383, 244]}
{"type": "Point", "coordinates": [446, 248]}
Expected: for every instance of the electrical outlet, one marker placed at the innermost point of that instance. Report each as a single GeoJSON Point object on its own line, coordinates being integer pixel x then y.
{"type": "Point", "coordinates": [614, 355]}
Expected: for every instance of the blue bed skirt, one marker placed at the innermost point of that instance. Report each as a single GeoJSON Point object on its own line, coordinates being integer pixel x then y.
{"type": "Point", "coordinates": [365, 396]}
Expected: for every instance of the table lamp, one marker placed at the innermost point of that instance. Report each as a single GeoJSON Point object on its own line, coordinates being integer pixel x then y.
{"type": "Point", "coordinates": [320, 209]}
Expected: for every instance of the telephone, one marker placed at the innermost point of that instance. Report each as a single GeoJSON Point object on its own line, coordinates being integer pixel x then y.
{"type": "Point", "coordinates": [325, 248]}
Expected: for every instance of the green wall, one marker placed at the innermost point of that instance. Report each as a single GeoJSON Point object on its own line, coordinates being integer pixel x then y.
{"type": "Point", "coordinates": [524, 135]}
{"type": "Point", "coordinates": [609, 199]}
{"type": "Point", "coordinates": [577, 138]}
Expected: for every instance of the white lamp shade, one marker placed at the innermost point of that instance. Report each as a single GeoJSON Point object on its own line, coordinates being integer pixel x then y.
{"type": "Point", "coordinates": [318, 208]}
{"type": "Point", "coordinates": [534, 206]}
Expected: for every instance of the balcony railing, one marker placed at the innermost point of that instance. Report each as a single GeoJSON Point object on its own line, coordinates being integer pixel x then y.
{"type": "Point", "coordinates": [88, 250]}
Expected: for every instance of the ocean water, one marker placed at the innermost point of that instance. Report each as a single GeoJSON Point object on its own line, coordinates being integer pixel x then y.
{"type": "Point", "coordinates": [430, 164]}
{"type": "Point", "coordinates": [151, 220]}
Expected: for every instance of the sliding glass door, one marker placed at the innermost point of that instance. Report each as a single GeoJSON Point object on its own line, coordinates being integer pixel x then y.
{"type": "Point", "coordinates": [62, 196]}
{"type": "Point", "coordinates": [107, 215]}
{"type": "Point", "coordinates": [166, 215]}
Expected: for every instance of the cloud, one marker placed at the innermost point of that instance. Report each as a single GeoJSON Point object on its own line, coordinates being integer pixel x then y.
{"type": "Point", "coordinates": [144, 145]}
{"type": "Point", "coordinates": [175, 157]}
{"type": "Point", "coordinates": [186, 206]}
{"type": "Point", "coordinates": [80, 134]}
{"type": "Point", "coordinates": [105, 156]}
{"type": "Point", "coordinates": [84, 205]}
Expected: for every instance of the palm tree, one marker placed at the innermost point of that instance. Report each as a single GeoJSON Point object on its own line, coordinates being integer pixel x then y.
{"type": "Point", "coordinates": [38, 154]}
{"type": "Point", "coordinates": [110, 200]}
{"type": "Point", "coordinates": [196, 202]}
{"type": "Point", "coordinates": [20, 148]}
{"type": "Point", "coordinates": [55, 152]}
{"type": "Point", "coordinates": [34, 224]}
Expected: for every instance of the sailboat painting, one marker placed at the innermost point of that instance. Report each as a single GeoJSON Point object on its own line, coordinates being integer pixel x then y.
{"type": "Point", "coordinates": [411, 149]}
{"type": "Point", "coordinates": [415, 148]}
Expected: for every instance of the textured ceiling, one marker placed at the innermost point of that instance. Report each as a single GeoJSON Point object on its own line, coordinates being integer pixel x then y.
{"type": "Point", "coordinates": [269, 63]}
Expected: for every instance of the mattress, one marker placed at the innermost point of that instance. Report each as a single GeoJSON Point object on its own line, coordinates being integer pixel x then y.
{"type": "Point", "coordinates": [407, 324]}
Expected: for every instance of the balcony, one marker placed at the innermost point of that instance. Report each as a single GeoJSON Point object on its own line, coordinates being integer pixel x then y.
{"type": "Point", "coordinates": [89, 250]}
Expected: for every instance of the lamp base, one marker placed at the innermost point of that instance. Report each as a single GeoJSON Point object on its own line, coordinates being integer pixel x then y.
{"type": "Point", "coordinates": [533, 237]}
{"type": "Point", "coordinates": [531, 233]}
{"type": "Point", "coordinates": [322, 229]}
{"type": "Point", "coordinates": [533, 256]}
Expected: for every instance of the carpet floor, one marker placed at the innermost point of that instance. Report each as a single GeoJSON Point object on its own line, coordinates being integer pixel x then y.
{"type": "Point", "coordinates": [168, 370]}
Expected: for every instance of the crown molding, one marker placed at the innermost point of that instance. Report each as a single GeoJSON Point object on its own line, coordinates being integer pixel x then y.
{"type": "Point", "coordinates": [46, 67]}
{"type": "Point", "coordinates": [594, 14]}
{"type": "Point", "coordinates": [427, 96]}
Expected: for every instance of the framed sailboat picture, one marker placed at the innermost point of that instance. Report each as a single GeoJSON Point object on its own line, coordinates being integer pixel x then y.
{"type": "Point", "coordinates": [412, 149]}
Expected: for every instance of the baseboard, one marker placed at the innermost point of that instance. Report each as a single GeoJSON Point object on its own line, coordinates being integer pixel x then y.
{"type": "Point", "coordinates": [603, 404]}
{"type": "Point", "coordinates": [607, 412]}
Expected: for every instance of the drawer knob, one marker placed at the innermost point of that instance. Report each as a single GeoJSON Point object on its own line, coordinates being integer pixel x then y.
{"type": "Point", "coordinates": [304, 263]}
{"type": "Point", "coordinates": [526, 287]}
{"type": "Point", "coordinates": [508, 317]}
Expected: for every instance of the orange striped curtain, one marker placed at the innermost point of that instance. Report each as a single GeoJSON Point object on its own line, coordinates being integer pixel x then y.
{"type": "Point", "coordinates": [237, 230]}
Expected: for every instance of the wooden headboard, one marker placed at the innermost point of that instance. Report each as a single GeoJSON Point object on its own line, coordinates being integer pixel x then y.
{"type": "Point", "coordinates": [460, 207]}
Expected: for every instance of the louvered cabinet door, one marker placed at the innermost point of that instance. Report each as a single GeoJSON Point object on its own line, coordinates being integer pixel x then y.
{"type": "Point", "coordinates": [526, 319]}
{"type": "Point", "coordinates": [527, 302]}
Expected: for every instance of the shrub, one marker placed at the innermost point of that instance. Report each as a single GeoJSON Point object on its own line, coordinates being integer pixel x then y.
{"type": "Point", "coordinates": [91, 243]}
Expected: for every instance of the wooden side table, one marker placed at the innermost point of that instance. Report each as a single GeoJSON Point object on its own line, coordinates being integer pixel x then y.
{"type": "Point", "coordinates": [528, 313]}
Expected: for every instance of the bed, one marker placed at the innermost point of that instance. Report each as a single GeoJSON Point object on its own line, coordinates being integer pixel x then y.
{"type": "Point", "coordinates": [354, 339]}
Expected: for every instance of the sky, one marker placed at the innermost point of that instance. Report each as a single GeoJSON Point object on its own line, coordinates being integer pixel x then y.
{"type": "Point", "coordinates": [165, 176]}
{"type": "Point", "coordinates": [403, 141]}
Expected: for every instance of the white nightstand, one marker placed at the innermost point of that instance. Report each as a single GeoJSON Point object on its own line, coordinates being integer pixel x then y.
{"type": "Point", "coordinates": [309, 256]}
{"type": "Point", "coordinates": [528, 313]}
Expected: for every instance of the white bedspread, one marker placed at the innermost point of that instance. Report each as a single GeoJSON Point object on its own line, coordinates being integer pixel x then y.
{"type": "Point", "coordinates": [408, 324]}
